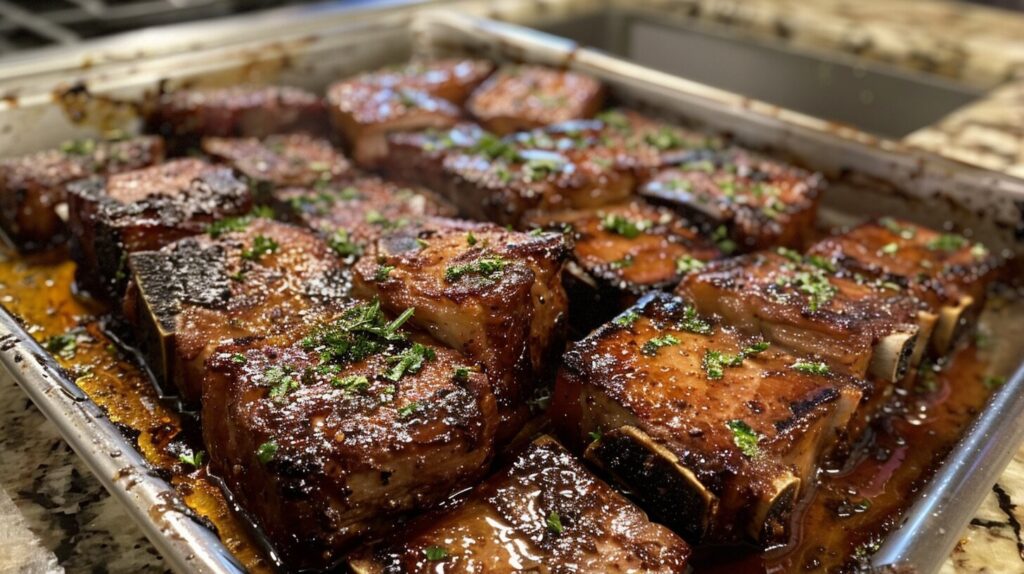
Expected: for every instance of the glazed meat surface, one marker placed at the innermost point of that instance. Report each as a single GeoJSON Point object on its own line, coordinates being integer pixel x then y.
{"type": "Point", "coordinates": [493, 294]}
{"type": "Point", "coordinates": [524, 97]}
{"type": "Point", "coordinates": [622, 251]}
{"type": "Point", "coordinates": [248, 278]}
{"type": "Point", "coordinates": [945, 270]}
{"type": "Point", "coordinates": [184, 116]}
{"type": "Point", "coordinates": [452, 79]}
{"type": "Point", "coordinates": [340, 435]}
{"type": "Point", "coordinates": [805, 307]}
{"type": "Point", "coordinates": [545, 513]}
{"type": "Point", "coordinates": [32, 187]}
{"type": "Point", "coordinates": [353, 213]}
{"type": "Point", "coordinates": [715, 433]}
{"type": "Point", "coordinates": [759, 202]}
{"type": "Point", "coordinates": [280, 160]}
{"type": "Point", "coordinates": [143, 210]}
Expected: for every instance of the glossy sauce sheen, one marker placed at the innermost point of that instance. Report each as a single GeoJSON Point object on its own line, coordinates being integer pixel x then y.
{"type": "Point", "coordinates": [833, 523]}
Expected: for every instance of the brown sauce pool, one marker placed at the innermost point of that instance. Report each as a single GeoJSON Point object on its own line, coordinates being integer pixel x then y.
{"type": "Point", "coordinates": [842, 521]}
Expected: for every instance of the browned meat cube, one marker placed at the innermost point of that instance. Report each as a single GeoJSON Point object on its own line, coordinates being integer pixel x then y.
{"type": "Point", "coordinates": [545, 513]}
{"type": "Point", "coordinates": [32, 188]}
{"type": "Point", "coordinates": [184, 116]}
{"type": "Point", "coordinates": [945, 270]}
{"type": "Point", "coordinates": [803, 306]}
{"type": "Point", "coordinates": [759, 202]}
{"type": "Point", "coordinates": [365, 112]}
{"type": "Point", "coordinates": [622, 251]}
{"type": "Point", "coordinates": [144, 210]}
{"type": "Point", "coordinates": [337, 437]}
{"type": "Point", "coordinates": [418, 157]}
{"type": "Point", "coordinates": [451, 79]}
{"type": "Point", "coordinates": [250, 278]}
{"type": "Point", "coordinates": [280, 160]}
{"type": "Point", "coordinates": [526, 97]}
{"type": "Point", "coordinates": [353, 213]}
{"type": "Point", "coordinates": [715, 433]}
{"type": "Point", "coordinates": [493, 294]}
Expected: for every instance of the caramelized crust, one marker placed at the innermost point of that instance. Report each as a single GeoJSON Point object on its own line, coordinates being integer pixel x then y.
{"type": "Point", "coordinates": [280, 160]}
{"type": "Point", "coordinates": [418, 157]}
{"type": "Point", "coordinates": [762, 203]}
{"type": "Point", "coordinates": [185, 116]}
{"type": "Point", "coordinates": [32, 187]}
{"type": "Point", "coordinates": [495, 295]}
{"type": "Point", "coordinates": [353, 213]}
{"type": "Point", "coordinates": [507, 524]}
{"type": "Point", "coordinates": [259, 280]}
{"type": "Point", "coordinates": [717, 446]}
{"type": "Point", "coordinates": [806, 308]}
{"type": "Point", "coordinates": [622, 251]}
{"type": "Point", "coordinates": [525, 97]}
{"type": "Point", "coordinates": [143, 210]}
{"type": "Point", "coordinates": [323, 454]}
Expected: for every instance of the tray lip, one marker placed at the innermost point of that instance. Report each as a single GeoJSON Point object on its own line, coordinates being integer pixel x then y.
{"type": "Point", "coordinates": [190, 547]}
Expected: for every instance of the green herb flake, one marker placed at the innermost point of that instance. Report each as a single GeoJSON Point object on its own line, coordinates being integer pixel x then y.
{"type": "Point", "coordinates": [614, 119]}
{"type": "Point", "coordinates": [904, 232]}
{"type": "Point", "coordinates": [280, 380]}
{"type": "Point", "coordinates": [994, 381]}
{"type": "Point", "coordinates": [889, 248]}
{"type": "Point", "coordinates": [470, 239]}
{"type": "Point", "coordinates": [621, 225]}
{"type": "Point", "coordinates": [720, 236]}
{"type": "Point", "coordinates": [979, 251]}
{"type": "Point", "coordinates": [687, 264]}
{"type": "Point", "coordinates": [342, 244]}
{"type": "Point", "coordinates": [715, 363]}
{"type": "Point", "coordinates": [664, 139]}
{"type": "Point", "coordinates": [537, 169]}
{"type": "Point", "coordinates": [409, 410]}
{"type": "Point", "coordinates": [595, 435]}
{"type": "Point", "coordinates": [626, 319]}
{"type": "Point", "coordinates": [554, 522]}
{"type": "Point", "coordinates": [693, 322]}
{"type": "Point", "coordinates": [495, 148]}
{"type": "Point", "coordinates": [261, 245]}
{"type": "Point", "coordinates": [435, 553]}
{"type": "Point", "coordinates": [409, 361]}
{"type": "Point", "coordinates": [193, 459]}
{"type": "Point", "coordinates": [626, 261]}
{"type": "Point", "coordinates": [744, 437]}
{"type": "Point", "coordinates": [79, 147]}
{"type": "Point", "coordinates": [238, 358]}
{"type": "Point", "coordinates": [651, 347]}
{"type": "Point", "coordinates": [461, 373]}
{"type": "Point", "coordinates": [486, 267]}
{"type": "Point", "coordinates": [811, 367]}
{"type": "Point", "coordinates": [383, 272]}
{"type": "Point", "coordinates": [948, 242]}
{"type": "Point", "coordinates": [266, 451]}
{"type": "Point", "coordinates": [351, 383]}
{"type": "Point", "coordinates": [793, 256]}
{"type": "Point", "coordinates": [65, 345]}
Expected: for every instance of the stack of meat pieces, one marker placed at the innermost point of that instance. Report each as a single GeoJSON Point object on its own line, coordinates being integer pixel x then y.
{"type": "Point", "coordinates": [358, 355]}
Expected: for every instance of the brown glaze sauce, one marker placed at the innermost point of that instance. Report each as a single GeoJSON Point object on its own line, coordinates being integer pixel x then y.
{"type": "Point", "coordinates": [843, 520]}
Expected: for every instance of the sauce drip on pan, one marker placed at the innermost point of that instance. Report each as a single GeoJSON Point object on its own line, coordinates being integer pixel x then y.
{"type": "Point", "coordinates": [847, 515]}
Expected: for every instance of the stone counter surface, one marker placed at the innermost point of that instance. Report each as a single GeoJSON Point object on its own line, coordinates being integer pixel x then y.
{"type": "Point", "coordinates": [55, 516]}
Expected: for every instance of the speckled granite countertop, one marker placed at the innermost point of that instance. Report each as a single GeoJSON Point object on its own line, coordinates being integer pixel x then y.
{"type": "Point", "coordinates": [54, 516]}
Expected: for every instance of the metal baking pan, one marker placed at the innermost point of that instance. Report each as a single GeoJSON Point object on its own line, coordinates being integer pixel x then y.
{"type": "Point", "coordinates": [864, 171]}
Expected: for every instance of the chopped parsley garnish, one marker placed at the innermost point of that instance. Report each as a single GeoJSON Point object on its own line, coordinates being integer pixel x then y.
{"type": "Point", "coordinates": [744, 437]}
{"type": "Point", "coordinates": [788, 253]}
{"type": "Point", "coordinates": [664, 139]}
{"type": "Point", "coordinates": [693, 322]}
{"type": "Point", "coordinates": [554, 522]}
{"type": "Point", "coordinates": [232, 224]}
{"type": "Point", "coordinates": [688, 263]}
{"type": "Point", "coordinates": [821, 263]}
{"type": "Point", "coordinates": [470, 239]}
{"type": "Point", "coordinates": [889, 248]}
{"type": "Point", "coordinates": [65, 345]}
{"type": "Point", "coordinates": [343, 245]}
{"type": "Point", "coordinates": [280, 380]}
{"type": "Point", "coordinates": [626, 319]}
{"type": "Point", "coordinates": [261, 245]}
{"type": "Point", "coordinates": [238, 358]}
{"type": "Point", "coordinates": [494, 147]}
{"type": "Point", "coordinates": [811, 368]}
{"type": "Point", "coordinates": [461, 373]}
{"type": "Point", "coordinates": [193, 459]}
{"type": "Point", "coordinates": [721, 238]}
{"type": "Point", "coordinates": [266, 452]}
{"type": "Point", "coordinates": [814, 284]}
{"type": "Point", "coordinates": [537, 169]}
{"type": "Point", "coordinates": [595, 435]}
{"type": "Point", "coordinates": [979, 251]}
{"type": "Point", "coordinates": [626, 261]}
{"type": "Point", "coordinates": [622, 225]}
{"type": "Point", "coordinates": [409, 361]}
{"type": "Point", "coordinates": [78, 147]}
{"type": "Point", "coordinates": [435, 553]}
{"type": "Point", "coordinates": [993, 381]}
{"type": "Point", "coordinates": [383, 272]}
{"type": "Point", "coordinates": [756, 348]}
{"type": "Point", "coordinates": [651, 347]}
{"type": "Point", "coordinates": [715, 362]}
{"type": "Point", "coordinates": [905, 232]}
{"type": "Point", "coordinates": [409, 409]}
{"type": "Point", "coordinates": [485, 267]}
{"type": "Point", "coordinates": [351, 383]}
{"type": "Point", "coordinates": [948, 242]}
{"type": "Point", "coordinates": [360, 332]}
{"type": "Point", "coordinates": [374, 217]}
{"type": "Point", "coordinates": [615, 119]}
